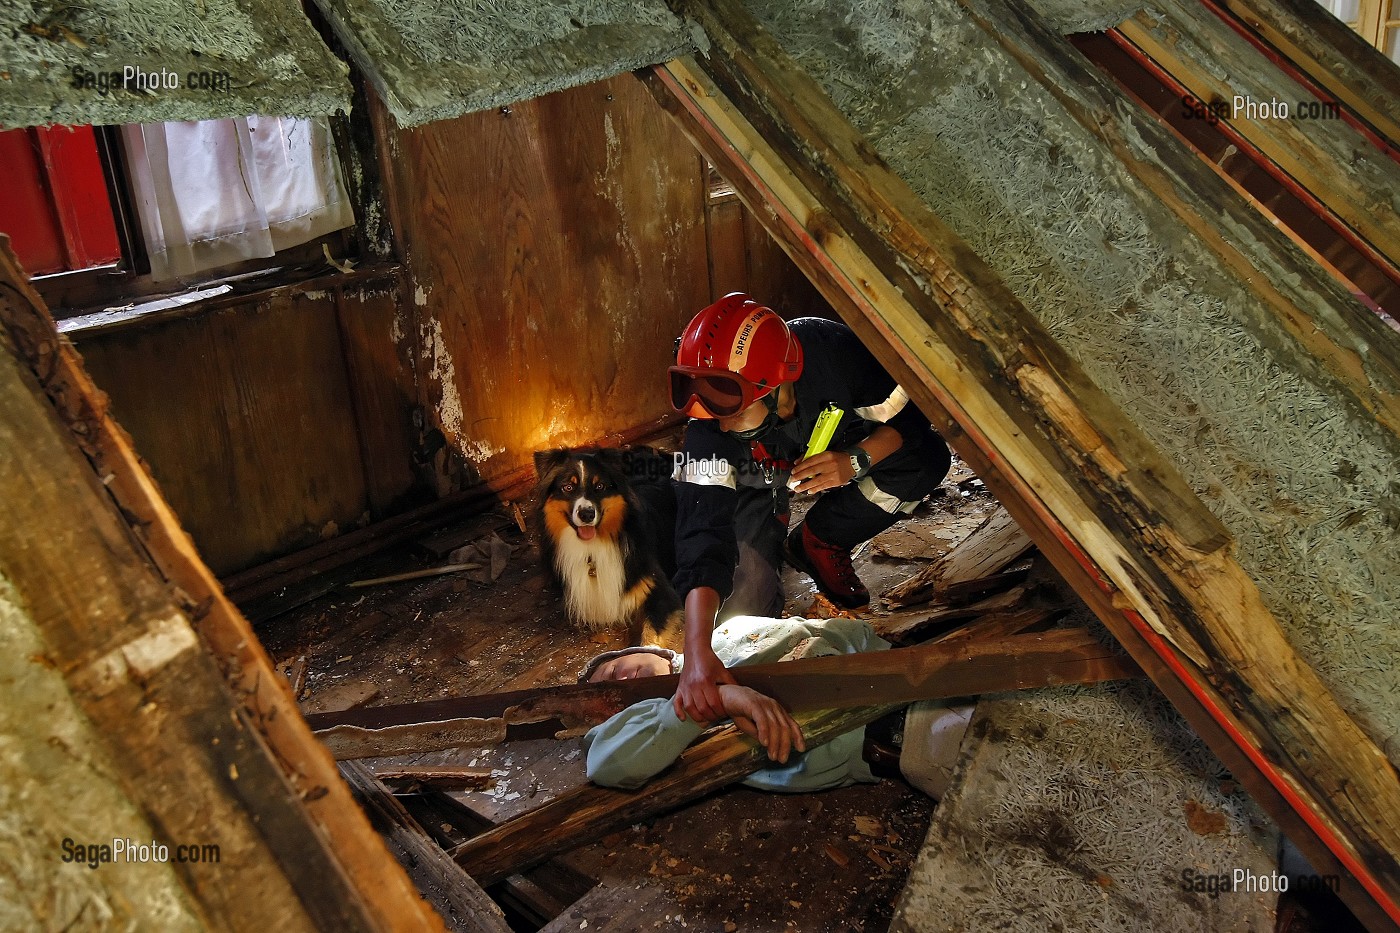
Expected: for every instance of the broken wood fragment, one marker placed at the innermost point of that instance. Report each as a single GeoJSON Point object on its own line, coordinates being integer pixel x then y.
{"type": "Point", "coordinates": [588, 812]}
{"type": "Point", "coordinates": [986, 550]}
{"type": "Point", "coordinates": [347, 742]}
{"type": "Point", "coordinates": [415, 574]}
{"type": "Point", "coordinates": [452, 892]}
{"type": "Point", "coordinates": [442, 777]}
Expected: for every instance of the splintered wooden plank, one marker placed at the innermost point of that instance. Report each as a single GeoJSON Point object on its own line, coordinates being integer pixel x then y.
{"type": "Point", "coordinates": [990, 547]}
{"type": "Point", "coordinates": [453, 893]}
{"type": "Point", "coordinates": [1104, 504]}
{"type": "Point", "coordinates": [582, 815]}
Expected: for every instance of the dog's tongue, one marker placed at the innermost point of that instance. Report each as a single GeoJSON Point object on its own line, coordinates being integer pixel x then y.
{"type": "Point", "coordinates": [586, 532]}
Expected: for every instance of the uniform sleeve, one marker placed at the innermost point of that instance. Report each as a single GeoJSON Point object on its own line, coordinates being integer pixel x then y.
{"type": "Point", "coordinates": [637, 743]}
{"type": "Point", "coordinates": [707, 549]}
{"type": "Point", "coordinates": [868, 385]}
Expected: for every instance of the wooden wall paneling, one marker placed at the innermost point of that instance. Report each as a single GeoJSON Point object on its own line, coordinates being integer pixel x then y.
{"type": "Point", "coordinates": [728, 245]}
{"type": "Point", "coordinates": [775, 277]}
{"type": "Point", "coordinates": [245, 417]}
{"type": "Point", "coordinates": [382, 389]}
{"type": "Point", "coordinates": [558, 246]}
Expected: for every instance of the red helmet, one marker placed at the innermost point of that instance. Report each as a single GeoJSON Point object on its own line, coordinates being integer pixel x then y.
{"type": "Point", "coordinates": [733, 352]}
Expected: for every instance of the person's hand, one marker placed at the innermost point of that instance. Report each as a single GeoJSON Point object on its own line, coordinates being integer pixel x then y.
{"type": "Point", "coordinates": [820, 472]}
{"type": "Point", "coordinates": [765, 719]}
{"type": "Point", "coordinates": [697, 696]}
{"type": "Point", "coordinates": [631, 665]}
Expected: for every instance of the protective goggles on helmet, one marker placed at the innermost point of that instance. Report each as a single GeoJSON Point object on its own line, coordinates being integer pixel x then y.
{"type": "Point", "coordinates": [710, 393]}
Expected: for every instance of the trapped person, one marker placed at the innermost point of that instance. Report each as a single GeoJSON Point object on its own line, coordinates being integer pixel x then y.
{"type": "Point", "coordinates": [637, 743]}
{"type": "Point", "coordinates": [754, 387]}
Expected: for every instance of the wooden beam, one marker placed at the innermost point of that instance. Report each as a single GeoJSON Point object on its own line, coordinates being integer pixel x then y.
{"type": "Point", "coordinates": [1355, 72]}
{"type": "Point", "coordinates": [957, 667]}
{"type": "Point", "coordinates": [1074, 465]}
{"type": "Point", "coordinates": [577, 817]}
{"type": "Point", "coordinates": [1337, 165]}
{"type": "Point", "coordinates": [328, 843]}
{"type": "Point", "coordinates": [451, 891]}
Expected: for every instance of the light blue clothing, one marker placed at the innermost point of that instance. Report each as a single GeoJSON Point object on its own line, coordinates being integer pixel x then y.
{"type": "Point", "coordinates": [642, 740]}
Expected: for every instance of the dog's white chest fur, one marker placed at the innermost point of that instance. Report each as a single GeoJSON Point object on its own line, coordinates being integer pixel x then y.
{"type": "Point", "coordinates": [595, 586]}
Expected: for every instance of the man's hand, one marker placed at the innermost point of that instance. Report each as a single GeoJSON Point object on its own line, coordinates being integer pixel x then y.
{"type": "Point", "coordinates": [820, 472]}
{"type": "Point", "coordinates": [765, 719]}
{"type": "Point", "coordinates": [631, 665]}
{"type": "Point", "coordinates": [698, 695]}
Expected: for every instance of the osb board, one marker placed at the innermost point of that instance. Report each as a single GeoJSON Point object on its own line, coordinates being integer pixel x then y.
{"type": "Point", "coordinates": [234, 58]}
{"type": "Point", "coordinates": [245, 418]}
{"type": "Point", "coordinates": [557, 248]}
{"type": "Point", "coordinates": [435, 61]}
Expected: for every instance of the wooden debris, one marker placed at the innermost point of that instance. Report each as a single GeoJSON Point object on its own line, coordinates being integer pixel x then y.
{"type": "Point", "coordinates": [588, 812]}
{"type": "Point", "coordinates": [836, 855]}
{"type": "Point", "coordinates": [347, 742]}
{"type": "Point", "coordinates": [340, 698]}
{"type": "Point", "coordinates": [990, 547]}
{"type": "Point", "coordinates": [964, 667]}
{"type": "Point", "coordinates": [416, 574]}
{"type": "Point", "coordinates": [443, 777]}
{"type": "Point", "coordinates": [451, 891]}
{"type": "Point", "coordinates": [296, 675]}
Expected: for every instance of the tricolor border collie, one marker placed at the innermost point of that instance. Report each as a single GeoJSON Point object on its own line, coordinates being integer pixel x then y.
{"type": "Point", "coordinates": [607, 520]}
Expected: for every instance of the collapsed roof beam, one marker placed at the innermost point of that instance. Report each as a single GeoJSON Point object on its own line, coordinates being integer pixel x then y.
{"type": "Point", "coordinates": [1100, 500]}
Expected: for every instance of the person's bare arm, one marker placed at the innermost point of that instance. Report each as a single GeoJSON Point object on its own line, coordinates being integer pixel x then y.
{"type": "Point", "coordinates": [832, 468]}
{"type": "Point", "coordinates": [698, 696]}
{"type": "Point", "coordinates": [765, 719]}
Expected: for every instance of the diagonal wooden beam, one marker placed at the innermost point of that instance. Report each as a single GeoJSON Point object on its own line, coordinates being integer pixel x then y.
{"type": "Point", "coordinates": [1104, 504]}
{"type": "Point", "coordinates": [1330, 53]}
{"type": "Point", "coordinates": [577, 817]}
{"type": "Point", "coordinates": [964, 666]}
{"type": "Point", "coordinates": [1326, 156]}
{"type": "Point", "coordinates": [453, 893]}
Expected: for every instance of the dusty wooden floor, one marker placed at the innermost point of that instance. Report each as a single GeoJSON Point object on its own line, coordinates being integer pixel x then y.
{"type": "Point", "coordinates": [738, 861]}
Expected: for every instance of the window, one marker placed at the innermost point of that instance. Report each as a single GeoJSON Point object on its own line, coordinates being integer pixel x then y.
{"type": "Point", "coordinates": [111, 214]}
{"type": "Point", "coordinates": [1378, 22]}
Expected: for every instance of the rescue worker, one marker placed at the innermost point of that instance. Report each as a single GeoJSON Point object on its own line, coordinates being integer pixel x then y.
{"type": "Point", "coordinates": [754, 387]}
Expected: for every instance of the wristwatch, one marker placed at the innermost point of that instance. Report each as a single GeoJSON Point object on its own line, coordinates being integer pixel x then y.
{"type": "Point", "coordinates": [860, 461]}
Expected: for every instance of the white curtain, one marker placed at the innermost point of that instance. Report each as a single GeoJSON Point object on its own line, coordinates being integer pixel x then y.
{"type": "Point", "coordinates": [217, 192]}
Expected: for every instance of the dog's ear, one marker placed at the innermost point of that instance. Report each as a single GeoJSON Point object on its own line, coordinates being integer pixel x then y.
{"type": "Point", "coordinates": [547, 460]}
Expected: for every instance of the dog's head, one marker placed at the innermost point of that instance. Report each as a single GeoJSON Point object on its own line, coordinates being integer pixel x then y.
{"type": "Point", "coordinates": [582, 492]}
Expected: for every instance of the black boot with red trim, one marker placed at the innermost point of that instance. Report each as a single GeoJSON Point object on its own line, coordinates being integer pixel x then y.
{"type": "Point", "coordinates": [829, 566]}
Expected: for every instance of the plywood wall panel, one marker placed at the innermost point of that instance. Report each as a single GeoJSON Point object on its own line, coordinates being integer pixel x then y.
{"type": "Point", "coordinates": [559, 246]}
{"type": "Point", "coordinates": [244, 415]}
{"type": "Point", "coordinates": [380, 369]}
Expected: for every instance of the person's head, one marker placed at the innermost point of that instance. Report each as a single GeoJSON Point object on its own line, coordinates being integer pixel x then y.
{"type": "Point", "coordinates": [730, 360]}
